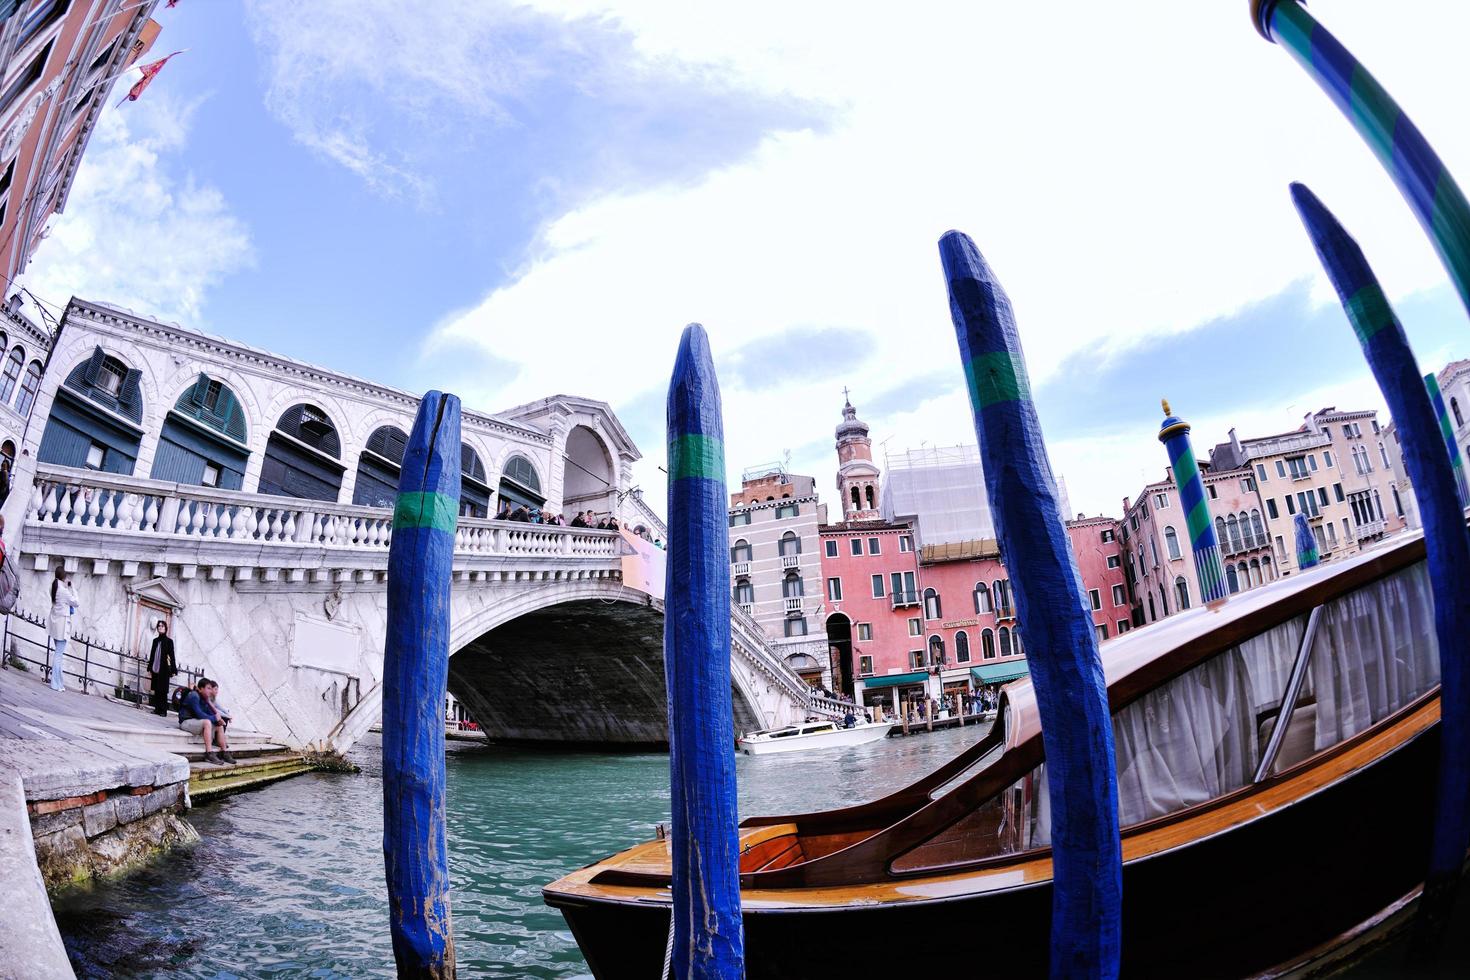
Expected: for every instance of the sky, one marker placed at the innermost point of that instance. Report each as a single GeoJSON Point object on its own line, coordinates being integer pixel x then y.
{"type": "Point", "coordinates": [509, 201]}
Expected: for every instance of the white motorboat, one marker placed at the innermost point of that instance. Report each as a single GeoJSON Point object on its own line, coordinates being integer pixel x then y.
{"type": "Point", "coordinates": [811, 735]}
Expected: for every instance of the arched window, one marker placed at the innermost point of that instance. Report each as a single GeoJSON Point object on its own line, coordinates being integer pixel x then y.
{"type": "Point", "coordinates": [1233, 527]}
{"type": "Point", "coordinates": [857, 502]}
{"type": "Point", "coordinates": [28, 389]}
{"type": "Point", "coordinates": [871, 504]}
{"type": "Point", "coordinates": [744, 592]}
{"type": "Point", "coordinates": [1181, 588]}
{"type": "Point", "coordinates": [931, 604]}
{"type": "Point", "coordinates": [301, 456]}
{"type": "Point", "coordinates": [1266, 570]}
{"type": "Point", "coordinates": [474, 488]}
{"type": "Point", "coordinates": [961, 647]}
{"type": "Point", "coordinates": [740, 551]}
{"type": "Point", "coordinates": [1006, 649]}
{"type": "Point", "coordinates": [982, 598]}
{"type": "Point", "coordinates": [520, 485]}
{"type": "Point", "coordinates": [1455, 407]}
{"type": "Point", "coordinates": [13, 365]}
{"type": "Point", "coordinates": [987, 644]}
{"type": "Point", "coordinates": [936, 650]}
{"type": "Point", "coordinates": [789, 544]}
{"type": "Point", "coordinates": [1230, 578]}
{"type": "Point", "coordinates": [1016, 641]}
{"type": "Point", "coordinates": [1260, 529]}
{"type": "Point", "coordinates": [379, 467]}
{"type": "Point", "coordinates": [203, 439]}
{"type": "Point", "coordinates": [1003, 597]}
{"type": "Point", "coordinates": [1151, 614]}
{"type": "Point", "coordinates": [1221, 538]}
{"type": "Point", "coordinates": [1255, 571]}
{"type": "Point", "coordinates": [791, 586]}
{"type": "Point", "coordinates": [1171, 541]}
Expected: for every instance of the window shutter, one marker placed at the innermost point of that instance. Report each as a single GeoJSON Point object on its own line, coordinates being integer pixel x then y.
{"type": "Point", "coordinates": [94, 366]}
{"type": "Point", "coordinates": [201, 388]}
{"type": "Point", "coordinates": [129, 394]}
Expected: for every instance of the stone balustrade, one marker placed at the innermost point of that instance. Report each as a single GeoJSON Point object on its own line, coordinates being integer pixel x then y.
{"type": "Point", "coordinates": [153, 516]}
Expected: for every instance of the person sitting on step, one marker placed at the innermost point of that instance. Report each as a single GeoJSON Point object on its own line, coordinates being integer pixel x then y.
{"type": "Point", "coordinates": [197, 716]}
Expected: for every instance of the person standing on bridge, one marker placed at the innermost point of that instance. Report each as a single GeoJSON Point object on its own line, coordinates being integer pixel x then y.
{"type": "Point", "coordinates": [162, 666]}
{"type": "Point", "coordinates": [64, 604]}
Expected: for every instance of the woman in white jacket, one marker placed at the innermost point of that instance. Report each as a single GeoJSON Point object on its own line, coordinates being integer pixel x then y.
{"type": "Point", "coordinates": [63, 607]}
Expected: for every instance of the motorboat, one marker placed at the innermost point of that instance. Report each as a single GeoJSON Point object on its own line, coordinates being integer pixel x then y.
{"type": "Point", "coordinates": [811, 735]}
{"type": "Point", "coordinates": [1276, 761]}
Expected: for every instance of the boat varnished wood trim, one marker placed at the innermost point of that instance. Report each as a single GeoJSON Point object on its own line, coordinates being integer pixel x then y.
{"type": "Point", "coordinates": [1023, 869]}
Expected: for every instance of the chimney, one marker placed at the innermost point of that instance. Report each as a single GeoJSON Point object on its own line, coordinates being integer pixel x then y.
{"type": "Point", "coordinates": [1236, 447]}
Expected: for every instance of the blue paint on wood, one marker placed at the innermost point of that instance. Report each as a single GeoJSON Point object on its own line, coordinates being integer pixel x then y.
{"type": "Point", "coordinates": [709, 940]}
{"type": "Point", "coordinates": [1447, 544]}
{"type": "Point", "coordinates": [1055, 617]}
{"type": "Point", "coordinates": [415, 669]}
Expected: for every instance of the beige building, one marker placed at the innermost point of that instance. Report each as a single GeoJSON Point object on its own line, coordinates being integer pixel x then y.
{"type": "Point", "coordinates": [1335, 469]}
{"type": "Point", "coordinates": [776, 562]}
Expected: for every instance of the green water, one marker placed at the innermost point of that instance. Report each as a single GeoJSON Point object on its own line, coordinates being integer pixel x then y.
{"type": "Point", "coordinates": [288, 881]}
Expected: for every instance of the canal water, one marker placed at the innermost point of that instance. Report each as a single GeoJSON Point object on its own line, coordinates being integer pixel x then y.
{"type": "Point", "coordinates": [288, 880]}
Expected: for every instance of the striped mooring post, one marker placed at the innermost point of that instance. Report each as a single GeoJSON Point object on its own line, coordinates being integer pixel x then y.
{"type": "Point", "coordinates": [1307, 555]}
{"type": "Point", "coordinates": [1404, 152]}
{"type": "Point", "coordinates": [1055, 620]}
{"type": "Point", "coordinates": [1447, 431]}
{"type": "Point", "coordinates": [1174, 434]}
{"type": "Point", "coordinates": [415, 671]}
{"type": "Point", "coordinates": [1446, 542]}
{"type": "Point", "coordinates": [708, 938]}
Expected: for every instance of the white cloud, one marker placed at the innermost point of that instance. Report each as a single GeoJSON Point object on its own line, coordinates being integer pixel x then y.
{"type": "Point", "coordinates": [1125, 175]}
{"type": "Point", "coordinates": [137, 232]}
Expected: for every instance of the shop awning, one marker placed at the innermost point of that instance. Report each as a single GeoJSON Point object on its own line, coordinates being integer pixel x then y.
{"type": "Point", "coordinates": [999, 673]}
{"type": "Point", "coordinates": [895, 680]}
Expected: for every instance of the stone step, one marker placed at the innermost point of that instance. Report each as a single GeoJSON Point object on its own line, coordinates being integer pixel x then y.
{"type": "Point", "coordinates": [207, 780]}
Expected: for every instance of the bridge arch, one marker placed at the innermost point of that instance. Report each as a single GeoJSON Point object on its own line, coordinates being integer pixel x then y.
{"type": "Point", "coordinates": [579, 660]}
{"type": "Point", "coordinates": [589, 473]}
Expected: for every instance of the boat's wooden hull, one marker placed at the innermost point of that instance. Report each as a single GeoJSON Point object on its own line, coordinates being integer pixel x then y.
{"type": "Point", "coordinates": [1229, 905]}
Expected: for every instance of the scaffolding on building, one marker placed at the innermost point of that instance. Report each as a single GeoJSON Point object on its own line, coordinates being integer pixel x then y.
{"type": "Point", "coordinates": [942, 490]}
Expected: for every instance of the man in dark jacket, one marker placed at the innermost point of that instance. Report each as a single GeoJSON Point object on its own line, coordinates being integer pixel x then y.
{"type": "Point", "coordinates": [198, 716]}
{"type": "Point", "coordinates": [162, 666]}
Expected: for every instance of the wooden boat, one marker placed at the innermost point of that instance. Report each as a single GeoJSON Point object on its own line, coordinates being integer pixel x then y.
{"type": "Point", "coordinates": [812, 735]}
{"type": "Point", "coordinates": [1250, 847]}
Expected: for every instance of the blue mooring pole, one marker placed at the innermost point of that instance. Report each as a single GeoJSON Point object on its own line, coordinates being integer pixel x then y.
{"type": "Point", "coordinates": [415, 668]}
{"type": "Point", "coordinates": [708, 938]}
{"type": "Point", "coordinates": [1446, 542]}
{"type": "Point", "coordinates": [1055, 617]}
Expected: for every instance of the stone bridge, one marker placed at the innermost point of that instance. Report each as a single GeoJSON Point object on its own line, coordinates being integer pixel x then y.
{"type": "Point", "coordinates": [283, 601]}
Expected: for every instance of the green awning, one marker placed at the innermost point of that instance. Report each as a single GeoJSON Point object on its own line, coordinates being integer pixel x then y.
{"type": "Point", "coordinates": [999, 673]}
{"type": "Point", "coordinates": [895, 680]}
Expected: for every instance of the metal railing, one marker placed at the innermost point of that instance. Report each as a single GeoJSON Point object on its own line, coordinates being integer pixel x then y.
{"type": "Point", "coordinates": [905, 599]}
{"type": "Point", "coordinates": [96, 666]}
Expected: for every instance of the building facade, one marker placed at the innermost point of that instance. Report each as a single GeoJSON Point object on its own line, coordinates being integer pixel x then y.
{"type": "Point", "coordinates": [58, 59]}
{"type": "Point", "coordinates": [1157, 556]}
{"type": "Point", "coordinates": [130, 396]}
{"type": "Point", "coordinates": [1099, 551]}
{"type": "Point", "coordinates": [776, 565]}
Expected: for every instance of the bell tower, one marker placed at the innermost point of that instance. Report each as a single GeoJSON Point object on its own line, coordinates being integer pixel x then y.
{"type": "Point", "coordinates": [857, 476]}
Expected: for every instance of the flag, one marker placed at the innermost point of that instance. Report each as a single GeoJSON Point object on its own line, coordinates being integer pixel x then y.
{"type": "Point", "coordinates": [149, 71]}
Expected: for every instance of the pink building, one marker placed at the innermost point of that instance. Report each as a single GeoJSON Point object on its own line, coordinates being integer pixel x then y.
{"type": "Point", "coordinates": [908, 621]}
{"type": "Point", "coordinates": [1100, 560]}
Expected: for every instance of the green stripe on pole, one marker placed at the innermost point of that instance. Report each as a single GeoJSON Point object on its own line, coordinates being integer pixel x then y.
{"type": "Point", "coordinates": [1375, 113]}
{"type": "Point", "coordinates": [1451, 221]}
{"type": "Point", "coordinates": [1292, 26]}
{"type": "Point", "coordinates": [1368, 311]}
{"type": "Point", "coordinates": [996, 377]}
{"type": "Point", "coordinates": [433, 510]}
{"type": "Point", "coordinates": [695, 455]}
{"type": "Point", "coordinates": [1198, 519]}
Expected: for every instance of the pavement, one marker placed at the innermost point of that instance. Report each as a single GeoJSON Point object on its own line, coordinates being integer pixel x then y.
{"type": "Point", "coordinates": [62, 745]}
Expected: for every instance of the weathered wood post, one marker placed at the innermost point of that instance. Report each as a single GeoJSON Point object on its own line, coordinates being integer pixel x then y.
{"type": "Point", "coordinates": [415, 667]}
{"type": "Point", "coordinates": [708, 938]}
{"type": "Point", "coordinates": [1446, 542]}
{"type": "Point", "coordinates": [1055, 620]}
{"type": "Point", "coordinates": [1401, 148]}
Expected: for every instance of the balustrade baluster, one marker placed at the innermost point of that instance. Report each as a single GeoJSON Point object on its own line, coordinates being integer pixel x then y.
{"type": "Point", "coordinates": [251, 523]}
{"type": "Point", "coordinates": [288, 529]}
{"type": "Point", "coordinates": [63, 511]}
{"type": "Point", "coordinates": [224, 522]}
{"type": "Point", "coordinates": [109, 509]}
{"type": "Point", "coordinates": [93, 499]}
{"type": "Point", "coordinates": [211, 519]}
{"type": "Point", "coordinates": [38, 499]}
{"type": "Point", "coordinates": [196, 521]}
